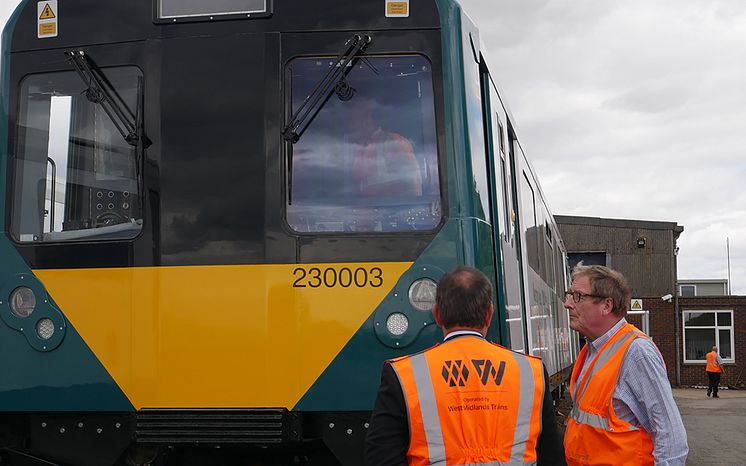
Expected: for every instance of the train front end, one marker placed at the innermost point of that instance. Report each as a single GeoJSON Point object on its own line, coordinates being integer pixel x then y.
{"type": "Point", "coordinates": [218, 223]}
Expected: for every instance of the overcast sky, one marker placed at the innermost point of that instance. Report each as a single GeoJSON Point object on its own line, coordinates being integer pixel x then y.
{"type": "Point", "coordinates": [633, 109]}
{"type": "Point", "coordinates": [630, 109]}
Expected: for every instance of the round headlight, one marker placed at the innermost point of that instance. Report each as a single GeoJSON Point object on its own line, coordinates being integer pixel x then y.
{"type": "Point", "coordinates": [422, 294]}
{"type": "Point", "coordinates": [22, 302]}
{"type": "Point", "coordinates": [45, 328]}
{"type": "Point", "coordinates": [397, 323]}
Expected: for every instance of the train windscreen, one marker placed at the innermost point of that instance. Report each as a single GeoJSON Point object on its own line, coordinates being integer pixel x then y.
{"type": "Point", "coordinates": [76, 176]}
{"type": "Point", "coordinates": [368, 160]}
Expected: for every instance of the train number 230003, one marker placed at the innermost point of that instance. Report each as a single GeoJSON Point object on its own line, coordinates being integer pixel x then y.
{"type": "Point", "coordinates": [346, 277]}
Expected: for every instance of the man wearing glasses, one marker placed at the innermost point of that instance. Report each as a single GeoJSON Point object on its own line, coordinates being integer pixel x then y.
{"type": "Point", "coordinates": [623, 408]}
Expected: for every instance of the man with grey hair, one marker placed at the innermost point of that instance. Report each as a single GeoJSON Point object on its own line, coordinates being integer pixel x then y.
{"type": "Point", "coordinates": [624, 412]}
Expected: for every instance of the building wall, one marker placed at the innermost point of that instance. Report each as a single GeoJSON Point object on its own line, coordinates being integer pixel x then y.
{"type": "Point", "coordinates": [650, 270]}
{"type": "Point", "coordinates": [662, 318]}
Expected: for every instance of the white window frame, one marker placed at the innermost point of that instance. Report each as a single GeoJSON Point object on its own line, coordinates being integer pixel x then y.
{"type": "Point", "coordinates": [717, 329]}
{"type": "Point", "coordinates": [687, 284]}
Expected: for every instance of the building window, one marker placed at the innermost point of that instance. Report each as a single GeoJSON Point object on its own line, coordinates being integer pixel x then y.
{"type": "Point", "coordinates": [687, 291]}
{"type": "Point", "coordinates": [705, 329]}
{"type": "Point", "coordinates": [588, 258]}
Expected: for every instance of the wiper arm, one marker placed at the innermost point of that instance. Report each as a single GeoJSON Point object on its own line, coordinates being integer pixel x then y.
{"type": "Point", "coordinates": [333, 81]}
{"type": "Point", "coordinates": [101, 92]}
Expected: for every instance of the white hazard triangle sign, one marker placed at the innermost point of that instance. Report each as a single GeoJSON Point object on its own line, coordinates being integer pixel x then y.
{"type": "Point", "coordinates": [47, 13]}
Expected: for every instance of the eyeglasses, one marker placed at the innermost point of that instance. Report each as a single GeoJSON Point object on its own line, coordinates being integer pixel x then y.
{"type": "Point", "coordinates": [577, 296]}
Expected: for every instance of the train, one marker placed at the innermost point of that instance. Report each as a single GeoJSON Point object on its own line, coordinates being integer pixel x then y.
{"type": "Point", "coordinates": [219, 219]}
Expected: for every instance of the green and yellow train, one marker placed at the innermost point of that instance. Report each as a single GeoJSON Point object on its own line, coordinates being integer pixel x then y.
{"type": "Point", "coordinates": [220, 218]}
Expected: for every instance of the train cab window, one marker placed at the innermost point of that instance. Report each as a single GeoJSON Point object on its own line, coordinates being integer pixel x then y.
{"type": "Point", "coordinates": [368, 161]}
{"type": "Point", "coordinates": [75, 175]}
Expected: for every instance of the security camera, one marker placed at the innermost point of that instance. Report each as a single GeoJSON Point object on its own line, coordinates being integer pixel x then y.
{"type": "Point", "coordinates": [667, 297]}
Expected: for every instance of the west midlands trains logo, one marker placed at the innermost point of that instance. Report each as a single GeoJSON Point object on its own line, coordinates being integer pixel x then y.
{"type": "Point", "coordinates": [456, 373]}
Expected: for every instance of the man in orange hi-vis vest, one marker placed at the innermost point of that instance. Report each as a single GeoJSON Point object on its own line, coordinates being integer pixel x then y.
{"type": "Point", "coordinates": [385, 163]}
{"type": "Point", "coordinates": [465, 401]}
{"type": "Point", "coordinates": [623, 409]}
{"type": "Point", "coordinates": [714, 369]}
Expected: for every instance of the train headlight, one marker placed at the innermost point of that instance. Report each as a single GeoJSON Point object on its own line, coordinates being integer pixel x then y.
{"type": "Point", "coordinates": [422, 294]}
{"type": "Point", "coordinates": [397, 323]}
{"type": "Point", "coordinates": [22, 302]}
{"type": "Point", "coordinates": [45, 328]}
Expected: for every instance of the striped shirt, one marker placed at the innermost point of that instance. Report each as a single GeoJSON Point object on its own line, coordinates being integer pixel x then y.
{"type": "Point", "coordinates": [643, 397]}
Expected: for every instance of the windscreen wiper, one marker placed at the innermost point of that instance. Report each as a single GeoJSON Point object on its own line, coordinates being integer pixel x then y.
{"type": "Point", "coordinates": [333, 81]}
{"type": "Point", "coordinates": [101, 92]}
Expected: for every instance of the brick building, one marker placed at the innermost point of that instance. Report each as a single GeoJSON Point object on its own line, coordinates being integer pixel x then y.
{"type": "Point", "coordinates": [682, 327]}
{"type": "Point", "coordinates": [703, 318]}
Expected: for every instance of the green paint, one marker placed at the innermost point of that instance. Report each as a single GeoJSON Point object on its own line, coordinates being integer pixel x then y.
{"type": "Point", "coordinates": [69, 377]}
{"type": "Point", "coordinates": [351, 381]}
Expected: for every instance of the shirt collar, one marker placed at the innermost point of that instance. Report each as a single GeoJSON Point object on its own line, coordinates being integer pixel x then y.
{"type": "Point", "coordinates": [600, 341]}
{"type": "Point", "coordinates": [458, 333]}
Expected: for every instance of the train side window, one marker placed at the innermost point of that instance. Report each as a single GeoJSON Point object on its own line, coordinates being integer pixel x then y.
{"type": "Point", "coordinates": [529, 225]}
{"type": "Point", "coordinates": [501, 136]}
{"type": "Point", "coordinates": [368, 162]}
{"type": "Point", "coordinates": [501, 177]}
{"type": "Point", "coordinates": [76, 178]}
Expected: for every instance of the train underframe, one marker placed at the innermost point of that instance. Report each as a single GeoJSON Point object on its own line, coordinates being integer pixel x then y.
{"type": "Point", "coordinates": [256, 437]}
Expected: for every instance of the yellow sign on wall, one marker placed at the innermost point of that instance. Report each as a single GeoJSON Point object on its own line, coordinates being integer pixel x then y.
{"type": "Point", "coordinates": [47, 19]}
{"type": "Point", "coordinates": [397, 8]}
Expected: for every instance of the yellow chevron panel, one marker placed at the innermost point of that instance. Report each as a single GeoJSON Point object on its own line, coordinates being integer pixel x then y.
{"type": "Point", "coordinates": [218, 336]}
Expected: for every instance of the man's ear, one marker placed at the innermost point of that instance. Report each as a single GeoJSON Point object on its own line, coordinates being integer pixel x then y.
{"type": "Point", "coordinates": [490, 315]}
{"type": "Point", "coordinates": [436, 314]}
{"type": "Point", "coordinates": [608, 306]}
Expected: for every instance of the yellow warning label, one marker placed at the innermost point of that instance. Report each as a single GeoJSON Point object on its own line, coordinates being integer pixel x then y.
{"type": "Point", "coordinates": [636, 305]}
{"type": "Point", "coordinates": [397, 8]}
{"type": "Point", "coordinates": [47, 13]}
{"type": "Point", "coordinates": [47, 29]}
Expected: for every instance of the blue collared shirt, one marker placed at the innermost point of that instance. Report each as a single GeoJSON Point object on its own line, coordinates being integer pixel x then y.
{"type": "Point", "coordinates": [643, 397]}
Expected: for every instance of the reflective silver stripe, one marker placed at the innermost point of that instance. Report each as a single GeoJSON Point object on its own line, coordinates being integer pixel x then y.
{"type": "Point", "coordinates": [602, 359]}
{"type": "Point", "coordinates": [593, 420]}
{"type": "Point", "coordinates": [586, 418]}
{"type": "Point", "coordinates": [429, 409]}
{"type": "Point", "coordinates": [525, 407]}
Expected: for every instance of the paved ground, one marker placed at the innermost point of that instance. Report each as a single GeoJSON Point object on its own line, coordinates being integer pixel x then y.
{"type": "Point", "coordinates": [715, 427]}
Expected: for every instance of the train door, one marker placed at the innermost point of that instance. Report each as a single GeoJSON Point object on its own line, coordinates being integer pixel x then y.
{"type": "Point", "coordinates": [507, 264]}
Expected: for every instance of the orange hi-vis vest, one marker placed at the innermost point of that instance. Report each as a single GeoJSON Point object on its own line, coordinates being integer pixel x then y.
{"type": "Point", "coordinates": [471, 402]}
{"type": "Point", "coordinates": [712, 363]}
{"type": "Point", "coordinates": [594, 434]}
